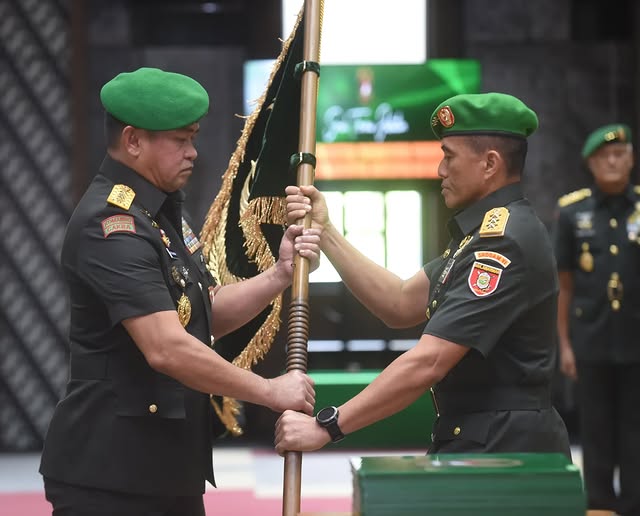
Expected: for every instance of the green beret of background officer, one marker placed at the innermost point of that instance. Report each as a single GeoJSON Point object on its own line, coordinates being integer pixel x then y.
{"type": "Point", "coordinates": [134, 431]}
{"type": "Point", "coordinates": [489, 300]}
{"type": "Point", "coordinates": [597, 246]}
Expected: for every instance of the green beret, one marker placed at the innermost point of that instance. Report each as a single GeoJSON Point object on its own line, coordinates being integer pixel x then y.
{"type": "Point", "coordinates": [153, 99]}
{"type": "Point", "coordinates": [483, 113]}
{"type": "Point", "coordinates": [605, 134]}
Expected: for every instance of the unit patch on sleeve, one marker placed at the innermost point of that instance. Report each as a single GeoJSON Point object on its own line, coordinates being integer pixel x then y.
{"type": "Point", "coordinates": [492, 255]}
{"type": "Point", "coordinates": [483, 279]}
{"type": "Point", "coordinates": [118, 224]}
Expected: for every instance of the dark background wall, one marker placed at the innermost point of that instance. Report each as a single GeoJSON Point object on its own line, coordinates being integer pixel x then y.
{"type": "Point", "coordinates": [576, 62]}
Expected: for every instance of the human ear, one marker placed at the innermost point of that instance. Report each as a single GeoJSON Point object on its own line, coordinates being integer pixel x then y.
{"type": "Point", "coordinates": [492, 162]}
{"type": "Point", "coordinates": [131, 141]}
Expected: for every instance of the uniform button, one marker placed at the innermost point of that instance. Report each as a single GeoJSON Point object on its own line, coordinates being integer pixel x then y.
{"type": "Point", "coordinates": [456, 430]}
{"type": "Point", "coordinates": [615, 305]}
{"type": "Point", "coordinates": [613, 223]}
{"type": "Point", "coordinates": [434, 303]}
{"type": "Point", "coordinates": [578, 312]}
{"type": "Point", "coordinates": [613, 249]}
{"type": "Point", "coordinates": [153, 408]}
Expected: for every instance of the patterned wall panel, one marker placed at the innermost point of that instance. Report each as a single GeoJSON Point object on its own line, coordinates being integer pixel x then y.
{"type": "Point", "coordinates": [35, 200]}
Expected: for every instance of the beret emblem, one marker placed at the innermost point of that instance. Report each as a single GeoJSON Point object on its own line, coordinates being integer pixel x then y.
{"type": "Point", "coordinates": [445, 115]}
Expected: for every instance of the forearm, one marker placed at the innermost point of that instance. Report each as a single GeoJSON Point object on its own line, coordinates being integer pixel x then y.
{"type": "Point", "coordinates": [200, 368]}
{"type": "Point", "coordinates": [374, 286]}
{"type": "Point", "coordinates": [398, 386]}
{"type": "Point", "coordinates": [238, 303]}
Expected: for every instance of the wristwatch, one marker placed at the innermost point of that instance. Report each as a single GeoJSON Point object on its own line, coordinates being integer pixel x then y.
{"type": "Point", "coordinates": [328, 418]}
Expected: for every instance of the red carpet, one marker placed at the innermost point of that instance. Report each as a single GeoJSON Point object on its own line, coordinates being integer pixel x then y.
{"type": "Point", "coordinates": [220, 503]}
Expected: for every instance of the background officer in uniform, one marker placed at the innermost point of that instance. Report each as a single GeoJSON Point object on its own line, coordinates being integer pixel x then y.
{"type": "Point", "coordinates": [133, 434]}
{"type": "Point", "coordinates": [597, 245]}
{"type": "Point", "coordinates": [489, 300]}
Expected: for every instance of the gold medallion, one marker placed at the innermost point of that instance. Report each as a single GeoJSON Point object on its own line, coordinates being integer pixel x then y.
{"type": "Point", "coordinates": [586, 258]}
{"type": "Point", "coordinates": [184, 310]}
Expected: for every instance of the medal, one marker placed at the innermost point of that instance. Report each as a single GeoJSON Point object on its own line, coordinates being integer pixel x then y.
{"type": "Point", "coordinates": [177, 277]}
{"type": "Point", "coordinates": [165, 238]}
{"type": "Point", "coordinates": [184, 310]}
{"type": "Point", "coordinates": [586, 258]}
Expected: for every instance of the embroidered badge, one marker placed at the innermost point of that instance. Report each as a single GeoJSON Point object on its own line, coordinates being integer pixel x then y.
{"type": "Point", "coordinates": [121, 196]}
{"type": "Point", "coordinates": [118, 224]}
{"type": "Point", "coordinates": [445, 115]}
{"type": "Point", "coordinates": [190, 239]}
{"type": "Point", "coordinates": [483, 279]}
{"type": "Point", "coordinates": [492, 255]}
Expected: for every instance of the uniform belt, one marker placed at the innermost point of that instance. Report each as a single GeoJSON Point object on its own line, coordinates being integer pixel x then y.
{"type": "Point", "coordinates": [482, 400]}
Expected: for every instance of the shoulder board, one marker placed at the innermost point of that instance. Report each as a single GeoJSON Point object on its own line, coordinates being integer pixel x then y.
{"type": "Point", "coordinates": [494, 222]}
{"type": "Point", "coordinates": [636, 189]}
{"type": "Point", "coordinates": [573, 197]}
{"type": "Point", "coordinates": [121, 196]}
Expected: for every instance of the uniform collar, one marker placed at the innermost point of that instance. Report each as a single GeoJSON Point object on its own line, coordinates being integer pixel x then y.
{"type": "Point", "coordinates": [147, 195]}
{"type": "Point", "coordinates": [467, 220]}
{"type": "Point", "coordinates": [628, 194]}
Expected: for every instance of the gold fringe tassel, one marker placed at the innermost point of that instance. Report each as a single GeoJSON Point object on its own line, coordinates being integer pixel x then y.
{"type": "Point", "coordinates": [259, 211]}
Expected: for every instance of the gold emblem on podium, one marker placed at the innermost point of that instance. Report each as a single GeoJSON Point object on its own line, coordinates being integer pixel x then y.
{"type": "Point", "coordinates": [586, 258]}
{"type": "Point", "coordinates": [184, 310]}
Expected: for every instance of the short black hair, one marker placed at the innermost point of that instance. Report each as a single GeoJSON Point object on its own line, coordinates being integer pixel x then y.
{"type": "Point", "coordinates": [112, 130]}
{"type": "Point", "coordinates": [513, 149]}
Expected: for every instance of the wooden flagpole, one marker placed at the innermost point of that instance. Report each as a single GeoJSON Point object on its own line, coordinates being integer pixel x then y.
{"type": "Point", "coordinates": [298, 324]}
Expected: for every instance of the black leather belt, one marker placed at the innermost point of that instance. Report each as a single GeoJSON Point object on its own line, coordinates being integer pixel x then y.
{"type": "Point", "coordinates": [499, 398]}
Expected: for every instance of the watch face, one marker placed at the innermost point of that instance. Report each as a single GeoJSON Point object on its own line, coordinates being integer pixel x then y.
{"type": "Point", "coordinates": [326, 414]}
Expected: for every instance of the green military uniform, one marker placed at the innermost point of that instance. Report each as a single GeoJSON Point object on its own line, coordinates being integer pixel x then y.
{"type": "Point", "coordinates": [597, 240]}
{"type": "Point", "coordinates": [126, 439]}
{"type": "Point", "coordinates": [494, 290]}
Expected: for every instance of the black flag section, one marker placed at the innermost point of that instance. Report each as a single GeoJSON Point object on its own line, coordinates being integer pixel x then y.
{"type": "Point", "coordinates": [243, 228]}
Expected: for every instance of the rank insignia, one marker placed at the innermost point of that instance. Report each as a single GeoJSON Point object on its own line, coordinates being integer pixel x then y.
{"type": "Point", "coordinates": [118, 224]}
{"type": "Point", "coordinates": [190, 239]}
{"type": "Point", "coordinates": [184, 310]}
{"type": "Point", "coordinates": [121, 196]}
{"type": "Point", "coordinates": [483, 279]}
{"type": "Point", "coordinates": [494, 222]}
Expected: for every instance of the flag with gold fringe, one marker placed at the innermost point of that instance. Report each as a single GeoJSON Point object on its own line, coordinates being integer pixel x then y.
{"type": "Point", "coordinates": [245, 223]}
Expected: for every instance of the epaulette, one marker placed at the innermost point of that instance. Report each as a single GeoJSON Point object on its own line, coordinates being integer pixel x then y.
{"type": "Point", "coordinates": [121, 196]}
{"type": "Point", "coordinates": [573, 197]}
{"type": "Point", "coordinates": [494, 222]}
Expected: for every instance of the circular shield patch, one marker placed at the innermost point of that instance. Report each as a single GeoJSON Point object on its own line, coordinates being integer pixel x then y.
{"type": "Point", "coordinates": [445, 115]}
{"type": "Point", "coordinates": [483, 279]}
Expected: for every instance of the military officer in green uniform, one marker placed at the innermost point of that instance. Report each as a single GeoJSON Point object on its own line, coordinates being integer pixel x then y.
{"type": "Point", "coordinates": [597, 245]}
{"type": "Point", "coordinates": [488, 348]}
{"type": "Point", "coordinates": [133, 434]}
